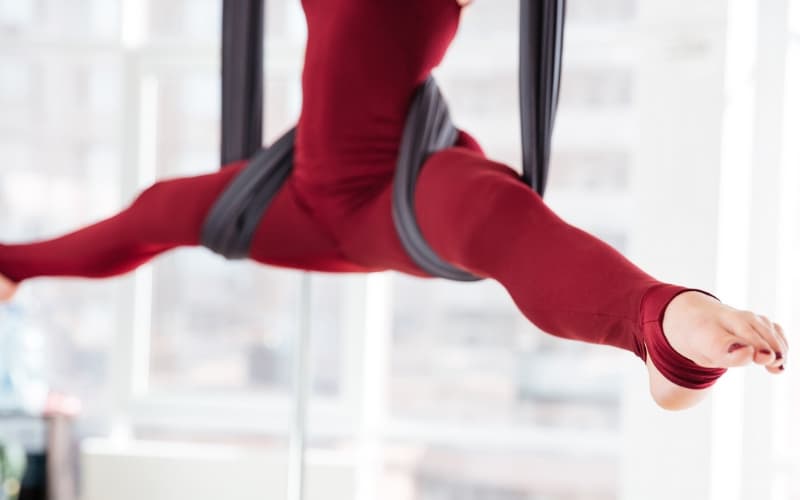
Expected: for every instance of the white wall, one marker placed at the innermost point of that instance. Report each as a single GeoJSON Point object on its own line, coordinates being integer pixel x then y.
{"type": "Point", "coordinates": [171, 471]}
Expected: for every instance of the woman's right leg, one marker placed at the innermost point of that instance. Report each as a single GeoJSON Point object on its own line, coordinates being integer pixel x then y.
{"type": "Point", "coordinates": [170, 214]}
{"type": "Point", "coordinates": [476, 214]}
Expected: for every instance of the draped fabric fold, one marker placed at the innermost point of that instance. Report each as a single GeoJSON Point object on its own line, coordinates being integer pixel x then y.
{"type": "Point", "coordinates": [540, 53]}
{"type": "Point", "coordinates": [242, 58]}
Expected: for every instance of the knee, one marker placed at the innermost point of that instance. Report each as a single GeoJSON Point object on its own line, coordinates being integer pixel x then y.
{"type": "Point", "coordinates": [191, 195]}
{"type": "Point", "coordinates": [150, 193]}
{"type": "Point", "coordinates": [152, 198]}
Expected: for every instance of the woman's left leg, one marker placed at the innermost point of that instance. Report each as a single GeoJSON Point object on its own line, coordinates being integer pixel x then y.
{"type": "Point", "coordinates": [477, 215]}
{"type": "Point", "coordinates": [170, 214]}
{"type": "Point", "coordinates": [167, 214]}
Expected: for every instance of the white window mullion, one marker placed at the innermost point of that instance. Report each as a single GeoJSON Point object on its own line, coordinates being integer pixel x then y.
{"type": "Point", "coordinates": [675, 185]}
{"type": "Point", "coordinates": [760, 441]}
{"type": "Point", "coordinates": [130, 353]}
{"type": "Point", "coordinates": [373, 402]}
{"type": "Point", "coordinates": [735, 202]}
{"type": "Point", "coordinates": [123, 354]}
{"type": "Point", "coordinates": [786, 455]}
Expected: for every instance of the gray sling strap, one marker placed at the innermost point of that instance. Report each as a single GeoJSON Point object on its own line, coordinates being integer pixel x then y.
{"type": "Point", "coordinates": [242, 59]}
{"type": "Point", "coordinates": [232, 221]}
{"type": "Point", "coordinates": [428, 129]}
{"type": "Point", "coordinates": [541, 36]}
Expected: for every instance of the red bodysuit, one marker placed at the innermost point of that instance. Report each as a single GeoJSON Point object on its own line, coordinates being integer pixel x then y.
{"type": "Point", "coordinates": [363, 60]}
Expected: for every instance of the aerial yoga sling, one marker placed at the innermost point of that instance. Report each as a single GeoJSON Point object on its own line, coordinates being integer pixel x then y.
{"type": "Point", "coordinates": [354, 188]}
{"type": "Point", "coordinates": [234, 218]}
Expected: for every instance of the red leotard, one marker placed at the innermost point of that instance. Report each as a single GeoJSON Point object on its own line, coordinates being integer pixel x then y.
{"type": "Point", "coordinates": [363, 61]}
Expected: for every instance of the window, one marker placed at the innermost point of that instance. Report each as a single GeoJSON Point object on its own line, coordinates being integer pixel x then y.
{"type": "Point", "coordinates": [61, 167]}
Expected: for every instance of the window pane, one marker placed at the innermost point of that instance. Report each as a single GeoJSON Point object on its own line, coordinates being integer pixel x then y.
{"type": "Point", "coordinates": [417, 471]}
{"type": "Point", "coordinates": [197, 20]}
{"type": "Point", "coordinates": [61, 171]}
{"type": "Point", "coordinates": [597, 11]}
{"type": "Point", "coordinates": [219, 325]}
{"type": "Point", "coordinates": [98, 19]}
{"type": "Point", "coordinates": [591, 170]}
{"type": "Point", "coordinates": [593, 88]}
{"type": "Point", "coordinates": [464, 352]}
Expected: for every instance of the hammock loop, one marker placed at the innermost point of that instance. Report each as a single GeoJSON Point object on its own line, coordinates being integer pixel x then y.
{"type": "Point", "coordinates": [232, 221]}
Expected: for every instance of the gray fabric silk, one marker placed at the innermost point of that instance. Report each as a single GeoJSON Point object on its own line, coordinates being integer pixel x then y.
{"type": "Point", "coordinates": [232, 221]}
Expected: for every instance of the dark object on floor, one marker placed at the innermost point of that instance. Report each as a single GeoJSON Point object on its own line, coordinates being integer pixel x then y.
{"type": "Point", "coordinates": [50, 472]}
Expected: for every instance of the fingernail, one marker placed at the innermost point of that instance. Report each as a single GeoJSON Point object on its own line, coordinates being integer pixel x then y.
{"type": "Point", "coordinates": [765, 351]}
{"type": "Point", "coordinates": [734, 347]}
{"type": "Point", "coordinates": [781, 367]}
{"type": "Point", "coordinates": [778, 355]}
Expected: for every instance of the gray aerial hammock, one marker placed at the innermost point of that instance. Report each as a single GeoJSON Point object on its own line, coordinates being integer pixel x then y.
{"type": "Point", "coordinates": [232, 221]}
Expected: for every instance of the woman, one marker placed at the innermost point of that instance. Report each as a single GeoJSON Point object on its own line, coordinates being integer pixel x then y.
{"type": "Point", "coordinates": [363, 60]}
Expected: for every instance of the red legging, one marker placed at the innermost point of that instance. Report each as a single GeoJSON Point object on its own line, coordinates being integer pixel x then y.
{"type": "Point", "coordinates": [334, 212]}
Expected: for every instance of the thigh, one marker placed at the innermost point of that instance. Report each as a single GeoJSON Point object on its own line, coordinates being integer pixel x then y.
{"type": "Point", "coordinates": [368, 236]}
{"type": "Point", "coordinates": [454, 186]}
{"type": "Point", "coordinates": [289, 236]}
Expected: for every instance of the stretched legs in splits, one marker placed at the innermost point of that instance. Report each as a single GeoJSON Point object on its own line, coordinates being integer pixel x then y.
{"type": "Point", "coordinates": [477, 215]}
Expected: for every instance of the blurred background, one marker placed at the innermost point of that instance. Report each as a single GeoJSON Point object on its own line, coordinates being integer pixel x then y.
{"type": "Point", "coordinates": [676, 143]}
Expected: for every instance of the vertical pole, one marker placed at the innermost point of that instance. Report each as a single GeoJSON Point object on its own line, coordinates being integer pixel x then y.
{"type": "Point", "coordinates": [302, 367]}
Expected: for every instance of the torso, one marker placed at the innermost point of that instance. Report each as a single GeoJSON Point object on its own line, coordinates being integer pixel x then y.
{"type": "Point", "coordinates": [364, 59]}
